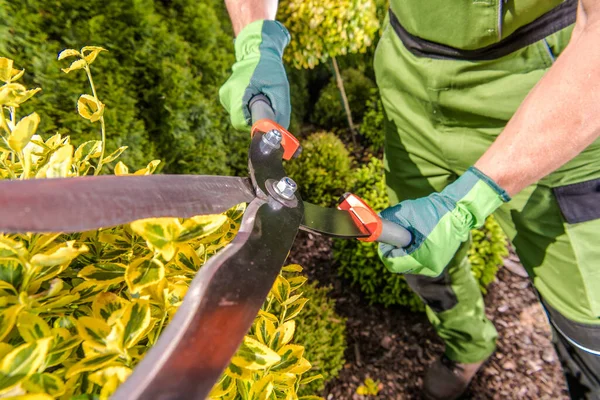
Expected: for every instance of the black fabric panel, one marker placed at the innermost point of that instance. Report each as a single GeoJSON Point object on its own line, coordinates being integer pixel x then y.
{"type": "Point", "coordinates": [553, 21]}
{"type": "Point", "coordinates": [436, 292]}
{"type": "Point", "coordinates": [579, 202]}
{"type": "Point", "coordinates": [586, 335]}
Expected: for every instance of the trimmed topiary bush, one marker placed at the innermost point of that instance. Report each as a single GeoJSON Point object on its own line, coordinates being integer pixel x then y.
{"type": "Point", "coordinates": [323, 334]}
{"type": "Point", "coordinates": [329, 111]}
{"type": "Point", "coordinates": [359, 262]}
{"type": "Point", "coordinates": [323, 171]}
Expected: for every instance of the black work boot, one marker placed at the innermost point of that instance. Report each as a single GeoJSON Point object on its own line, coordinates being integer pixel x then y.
{"type": "Point", "coordinates": [447, 379]}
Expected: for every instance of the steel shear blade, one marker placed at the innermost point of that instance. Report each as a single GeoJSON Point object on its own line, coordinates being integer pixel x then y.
{"type": "Point", "coordinates": [226, 294]}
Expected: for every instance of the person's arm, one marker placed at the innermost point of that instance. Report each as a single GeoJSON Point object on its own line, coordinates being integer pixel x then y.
{"type": "Point", "coordinates": [243, 12]}
{"type": "Point", "coordinates": [259, 45]}
{"type": "Point", "coordinates": [560, 116]}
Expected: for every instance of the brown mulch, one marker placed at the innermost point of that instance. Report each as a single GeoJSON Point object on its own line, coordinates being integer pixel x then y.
{"type": "Point", "coordinates": [395, 346]}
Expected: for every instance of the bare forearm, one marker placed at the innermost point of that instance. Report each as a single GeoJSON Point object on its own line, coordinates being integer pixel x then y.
{"type": "Point", "coordinates": [557, 120]}
{"type": "Point", "coordinates": [243, 12]}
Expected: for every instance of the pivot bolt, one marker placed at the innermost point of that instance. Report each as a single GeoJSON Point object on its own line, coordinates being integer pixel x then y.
{"type": "Point", "coordinates": [272, 138]}
{"type": "Point", "coordinates": [286, 188]}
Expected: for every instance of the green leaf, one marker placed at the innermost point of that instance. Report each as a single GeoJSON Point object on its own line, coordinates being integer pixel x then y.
{"type": "Point", "coordinates": [92, 363]}
{"type": "Point", "coordinates": [8, 318]}
{"type": "Point", "coordinates": [89, 108]}
{"type": "Point", "coordinates": [254, 355]}
{"type": "Point", "coordinates": [200, 226]}
{"type": "Point", "coordinates": [136, 318]}
{"type": "Point", "coordinates": [23, 361]}
{"type": "Point", "coordinates": [44, 383]}
{"type": "Point", "coordinates": [68, 53]}
{"type": "Point", "coordinates": [23, 132]}
{"type": "Point", "coordinates": [144, 272]}
{"type": "Point", "coordinates": [108, 273]}
{"type": "Point", "coordinates": [31, 327]}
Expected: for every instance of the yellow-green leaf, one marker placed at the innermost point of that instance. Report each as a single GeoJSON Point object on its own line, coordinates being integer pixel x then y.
{"type": "Point", "coordinates": [106, 304]}
{"type": "Point", "coordinates": [94, 330]}
{"type": "Point", "coordinates": [292, 310]}
{"type": "Point", "coordinates": [160, 234]}
{"type": "Point", "coordinates": [102, 376]}
{"type": "Point", "coordinates": [17, 74]}
{"type": "Point", "coordinates": [68, 53]}
{"type": "Point", "coordinates": [44, 383]}
{"type": "Point", "coordinates": [86, 290]}
{"type": "Point", "coordinates": [31, 327]}
{"type": "Point", "coordinates": [6, 68]}
{"type": "Point", "coordinates": [121, 169]}
{"type": "Point", "coordinates": [187, 259]}
{"type": "Point", "coordinates": [92, 363]}
{"type": "Point", "coordinates": [281, 289]}
{"type": "Point", "coordinates": [23, 361]}
{"type": "Point", "coordinates": [296, 282]}
{"type": "Point", "coordinates": [7, 287]}
{"type": "Point", "coordinates": [235, 213]}
{"type": "Point", "coordinates": [262, 389]}
{"type": "Point", "coordinates": [5, 348]}
{"type": "Point", "coordinates": [78, 64]}
{"type": "Point", "coordinates": [309, 379]}
{"type": "Point", "coordinates": [32, 396]}
{"type": "Point", "coordinates": [200, 226]}
{"type": "Point", "coordinates": [301, 367]}
{"type": "Point", "coordinates": [254, 355]}
{"type": "Point", "coordinates": [144, 272]}
{"type": "Point", "coordinates": [149, 170]}
{"type": "Point", "coordinates": [23, 132]}
{"type": "Point", "coordinates": [282, 335]}
{"type": "Point", "coordinates": [114, 155]}
{"type": "Point", "coordinates": [87, 150]}
{"type": "Point", "coordinates": [223, 387]}
{"type": "Point", "coordinates": [92, 53]}
{"type": "Point", "coordinates": [292, 268]}
{"type": "Point", "coordinates": [136, 319]}
{"type": "Point", "coordinates": [63, 345]}
{"type": "Point", "coordinates": [61, 254]}
{"type": "Point", "coordinates": [89, 108]}
{"type": "Point", "coordinates": [8, 318]}
{"type": "Point", "coordinates": [104, 273]}
{"type": "Point", "coordinates": [290, 356]}
{"type": "Point", "coordinates": [237, 372]}
{"type": "Point", "coordinates": [264, 330]}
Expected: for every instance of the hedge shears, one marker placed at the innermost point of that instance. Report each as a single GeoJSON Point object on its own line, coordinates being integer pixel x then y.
{"type": "Point", "coordinates": [223, 298]}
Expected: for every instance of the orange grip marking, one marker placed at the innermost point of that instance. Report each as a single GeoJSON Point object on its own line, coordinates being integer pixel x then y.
{"type": "Point", "coordinates": [289, 142]}
{"type": "Point", "coordinates": [363, 216]}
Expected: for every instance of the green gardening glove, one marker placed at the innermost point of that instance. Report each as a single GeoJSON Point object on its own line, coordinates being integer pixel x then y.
{"type": "Point", "coordinates": [258, 69]}
{"type": "Point", "coordinates": [440, 222]}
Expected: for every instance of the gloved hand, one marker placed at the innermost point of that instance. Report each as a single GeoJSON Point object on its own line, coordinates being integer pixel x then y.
{"type": "Point", "coordinates": [440, 222]}
{"type": "Point", "coordinates": [258, 69]}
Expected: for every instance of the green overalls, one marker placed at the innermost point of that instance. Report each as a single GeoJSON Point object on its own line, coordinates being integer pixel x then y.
{"type": "Point", "coordinates": [451, 74]}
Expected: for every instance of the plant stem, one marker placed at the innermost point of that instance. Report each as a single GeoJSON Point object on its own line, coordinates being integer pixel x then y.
{"type": "Point", "coordinates": [340, 85]}
{"type": "Point", "coordinates": [98, 168]}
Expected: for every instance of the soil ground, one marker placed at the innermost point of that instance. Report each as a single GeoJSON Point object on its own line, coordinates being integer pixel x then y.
{"type": "Point", "coordinates": [394, 345]}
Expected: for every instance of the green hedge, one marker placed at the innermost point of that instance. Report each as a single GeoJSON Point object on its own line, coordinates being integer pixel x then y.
{"type": "Point", "coordinates": [323, 334]}
{"type": "Point", "coordinates": [323, 170]}
{"type": "Point", "coordinates": [160, 83]}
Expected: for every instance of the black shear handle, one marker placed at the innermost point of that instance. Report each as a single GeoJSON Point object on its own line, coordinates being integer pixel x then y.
{"type": "Point", "coordinates": [260, 108]}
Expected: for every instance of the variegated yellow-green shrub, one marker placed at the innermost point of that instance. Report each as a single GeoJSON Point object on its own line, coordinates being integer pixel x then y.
{"type": "Point", "coordinates": [79, 311]}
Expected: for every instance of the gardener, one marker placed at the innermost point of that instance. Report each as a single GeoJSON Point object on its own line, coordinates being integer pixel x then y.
{"type": "Point", "coordinates": [483, 117]}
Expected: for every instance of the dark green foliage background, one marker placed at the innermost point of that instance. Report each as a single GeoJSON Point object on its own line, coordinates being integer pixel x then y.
{"type": "Point", "coordinates": [159, 80]}
{"type": "Point", "coordinates": [323, 334]}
